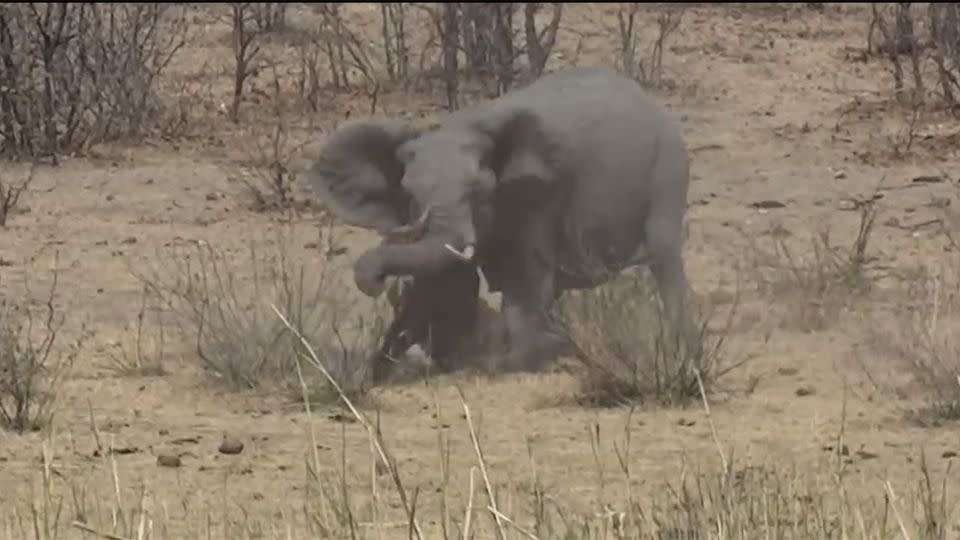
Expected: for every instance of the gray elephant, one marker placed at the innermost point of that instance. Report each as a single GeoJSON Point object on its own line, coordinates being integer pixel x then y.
{"type": "Point", "coordinates": [556, 186]}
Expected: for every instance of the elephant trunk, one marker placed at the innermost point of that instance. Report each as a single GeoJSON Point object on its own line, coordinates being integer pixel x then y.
{"type": "Point", "coordinates": [413, 232]}
{"type": "Point", "coordinates": [421, 249]}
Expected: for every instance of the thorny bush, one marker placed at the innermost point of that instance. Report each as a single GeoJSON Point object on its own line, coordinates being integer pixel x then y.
{"type": "Point", "coordinates": [74, 74]}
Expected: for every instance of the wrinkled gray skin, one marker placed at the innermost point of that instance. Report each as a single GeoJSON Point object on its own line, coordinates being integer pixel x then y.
{"type": "Point", "coordinates": [552, 187]}
{"type": "Point", "coordinates": [438, 313]}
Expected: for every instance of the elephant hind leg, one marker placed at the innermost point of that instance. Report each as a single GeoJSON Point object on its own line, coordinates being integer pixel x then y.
{"type": "Point", "coordinates": [666, 263]}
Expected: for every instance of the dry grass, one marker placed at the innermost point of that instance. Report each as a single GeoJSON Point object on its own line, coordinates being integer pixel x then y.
{"type": "Point", "coordinates": [810, 288]}
{"type": "Point", "coordinates": [622, 337]}
{"type": "Point", "coordinates": [919, 337]}
{"type": "Point", "coordinates": [220, 302]}
{"type": "Point", "coordinates": [722, 502]}
{"type": "Point", "coordinates": [33, 365]}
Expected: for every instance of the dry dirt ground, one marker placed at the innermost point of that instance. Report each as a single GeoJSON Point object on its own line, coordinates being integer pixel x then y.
{"type": "Point", "coordinates": [775, 106]}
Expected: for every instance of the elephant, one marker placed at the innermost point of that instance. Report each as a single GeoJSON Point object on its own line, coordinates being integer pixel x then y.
{"type": "Point", "coordinates": [552, 187]}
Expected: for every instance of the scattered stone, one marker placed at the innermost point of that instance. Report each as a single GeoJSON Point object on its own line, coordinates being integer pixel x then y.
{"type": "Point", "coordinates": [863, 454]}
{"type": "Point", "coordinates": [844, 451]}
{"type": "Point", "coordinates": [186, 440]}
{"type": "Point", "coordinates": [340, 417]}
{"type": "Point", "coordinates": [839, 175]}
{"type": "Point", "coordinates": [767, 204]}
{"type": "Point", "coordinates": [938, 202]}
{"type": "Point", "coordinates": [684, 422]}
{"type": "Point", "coordinates": [927, 179]}
{"type": "Point", "coordinates": [804, 391]}
{"type": "Point", "coordinates": [169, 460]}
{"type": "Point", "coordinates": [788, 371]}
{"type": "Point", "coordinates": [847, 205]}
{"type": "Point", "coordinates": [129, 240]}
{"type": "Point", "coordinates": [230, 446]}
{"type": "Point", "coordinates": [948, 454]}
{"type": "Point", "coordinates": [213, 196]}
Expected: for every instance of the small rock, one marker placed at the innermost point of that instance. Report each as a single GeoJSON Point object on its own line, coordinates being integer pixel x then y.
{"type": "Point", "coordinates": [169, 460]}
{"type": "Point", "coordinates": [768, 204]}
{"type": "Point", "coordinates": [110, 198]}
{"type": "Point", "coordinates": [129, 240]}
{"type": "Point", "coordinates": [847, 205]}
{"type": "Point", "coordinates": [787, 371]}
{"type": "Point", "coordinates": [863, 454]}
{"type": "Point", "coordinates": [686, 423]}
{"type": "Point", "coordinates": [839, 175]}
{"type": "Point", "coordinates": [927, 179]}
{"type": "Point", "coordinates": [340, 417]}
{"type": "Point", "coordinates": [213, 196]}
{"type": "Point", "coordinates": [844, 451]}
{"type": "Point", "coordinates": [804, 391]}
{"type": "Point", "coordinates": [948, 454]}
{"type": "Point", "coordinates": [938, 202]}
{"type": "Point", "coordinates": [230, 446]}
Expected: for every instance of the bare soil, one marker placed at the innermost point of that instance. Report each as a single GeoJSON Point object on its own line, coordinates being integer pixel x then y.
{"type": "Point", "coordinates": [775, 105]}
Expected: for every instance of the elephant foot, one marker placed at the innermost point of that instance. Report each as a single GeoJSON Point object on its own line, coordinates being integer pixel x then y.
{"type": "Point", "coordinates": [381, 368]}
{"type": "Point", "coordinates": [537, 356]}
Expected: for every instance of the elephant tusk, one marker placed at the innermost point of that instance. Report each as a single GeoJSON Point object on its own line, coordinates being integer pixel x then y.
{"type": "Point", "coordinates": [411, 232]}
{"type": "Point", "coordinates": [467, 253]}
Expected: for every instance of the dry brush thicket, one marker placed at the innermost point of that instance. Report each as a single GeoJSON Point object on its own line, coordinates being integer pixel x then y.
{"type": "Point", "coordinates": [924, 41]}
{"type": "Point", "coordinates": [73, 75]}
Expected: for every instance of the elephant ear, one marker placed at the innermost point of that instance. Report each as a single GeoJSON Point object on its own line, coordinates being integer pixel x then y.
{"type": "Point", "coordinates": [357, 174]}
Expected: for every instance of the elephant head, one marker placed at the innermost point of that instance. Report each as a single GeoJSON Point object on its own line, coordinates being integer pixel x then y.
{"type": "Point", "coordinates": [430, 194]}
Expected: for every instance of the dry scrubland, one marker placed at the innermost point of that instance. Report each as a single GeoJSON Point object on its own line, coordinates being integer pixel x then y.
{"type": "Point", "coordinates": [163, 218]}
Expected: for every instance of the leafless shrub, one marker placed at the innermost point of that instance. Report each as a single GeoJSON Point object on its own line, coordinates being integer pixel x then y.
{"type": "Point", "coordinates": [814, 289]}
{"type": "Point", "coordinates": [902, 38]}
{"type": "Point", "coordinates": [396, 51]}
{"type": "Point", "coordinates": [622, 362]}
{"type": "Point", "coordinates": [309, 82]}
{"type": "Point", "coordinates": [245, 51]}
{"type": "Point", "coordinates": [76, 74]}
{"type": "Point", "coordinates": [271, 179]}
{"type": "Point", "coordinates": [487, 38]}
{"type": "Point", "coordinates": [647, 69]}
{"type": "Point", "coordinates": [269, 16]}
{"type": "Point", "coordinates": [221, 304]}
{"type": "Point", "coordinates": [944, 20]}
{"type": "Point", "coordinates": [32, 366]}
{"type": "Point", "coordinates": [10, 193]}
{"type": "Point", "coordinates": [931, 44]}
{"type": "Point", "coordinates": [346, 50]}
{"type": "Point", "coordinates": [920, 337]}
{"type": "Point", "coordinates": [540, 43]}
{"type": "Point", "coordinates": [140, 361]}
{"type": "Point", "coordinates": [449, 34]}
